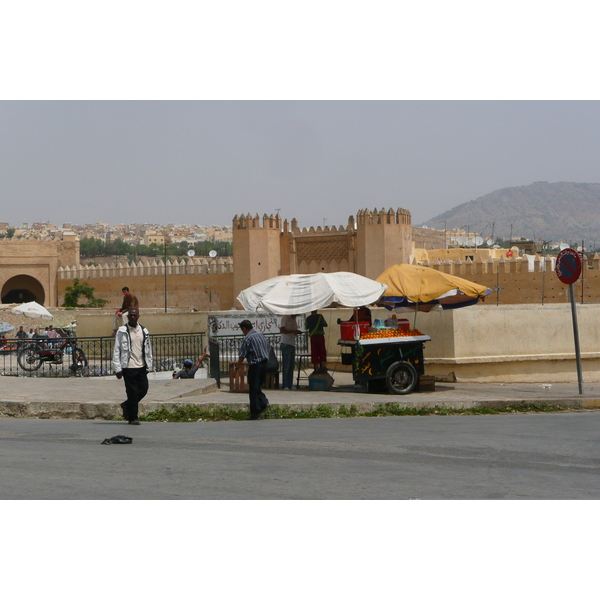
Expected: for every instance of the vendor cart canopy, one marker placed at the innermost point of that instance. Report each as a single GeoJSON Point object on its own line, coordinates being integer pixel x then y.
{"type": "Point", "coordinates": [411, 285]}
{"type": "Point", "coordinates": [298, 294]}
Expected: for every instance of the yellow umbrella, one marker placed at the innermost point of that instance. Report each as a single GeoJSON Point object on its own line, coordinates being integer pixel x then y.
{"type": "Point", "coordinates": [412, 285]}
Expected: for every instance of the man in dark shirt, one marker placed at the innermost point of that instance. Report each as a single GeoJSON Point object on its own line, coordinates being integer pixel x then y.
{"type": "Point", "coordinates": [315, 324]}
{"type": "Point", "coordinates": [21, 335]}
{"type": "Point", "coordinates": [255, 349]}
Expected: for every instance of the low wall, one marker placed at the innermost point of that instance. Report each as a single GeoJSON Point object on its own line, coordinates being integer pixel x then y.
{"type": "Point", "coordinates": [98, 323]}
{"type": "Point", "coordinates": [512, 343]}
{"type": "Point", "coordinates": [483, 343]}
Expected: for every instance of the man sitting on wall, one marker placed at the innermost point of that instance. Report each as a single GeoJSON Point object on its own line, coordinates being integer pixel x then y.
{"type": "Point", "coordinates": [129, 301]}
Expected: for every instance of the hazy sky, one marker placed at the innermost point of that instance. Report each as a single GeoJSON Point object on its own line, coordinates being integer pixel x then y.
{"type": "Point", "coordinates": [205, 161]}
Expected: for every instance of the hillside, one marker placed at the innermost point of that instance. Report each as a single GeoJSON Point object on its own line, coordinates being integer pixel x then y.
{"type": "Point", "coordinates": [552, 211]}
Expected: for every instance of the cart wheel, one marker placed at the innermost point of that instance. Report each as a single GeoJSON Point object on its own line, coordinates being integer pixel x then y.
{"type": "Point", "coordinates": [401, 378]}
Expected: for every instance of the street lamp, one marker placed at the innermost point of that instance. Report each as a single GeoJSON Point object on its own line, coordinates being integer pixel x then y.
{"type": "Point", "coordinates": [166, 243]}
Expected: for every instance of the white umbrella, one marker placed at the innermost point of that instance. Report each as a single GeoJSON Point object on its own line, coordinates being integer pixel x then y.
{"type": "Point", "coordinates": [5, 327]}
{"type": "Point", "coordinates": [297, 294]}
{"type": "Point", "coordinates": [32, 310]}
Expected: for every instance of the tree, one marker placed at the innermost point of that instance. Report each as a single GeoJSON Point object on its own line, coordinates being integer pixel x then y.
{"type": "Point", "coordinates": [72, 293]}
{"type": "Point", "coordinates": [10, 231]}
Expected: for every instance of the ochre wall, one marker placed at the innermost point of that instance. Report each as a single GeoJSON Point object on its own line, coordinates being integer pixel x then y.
{"type": "Point", "coordinates": [257, 251]}
{"type": "Point", "coordinates": [511, 282]}
{"type": "Point", "coordinates": [210, 291]}
{"type": "Point", "coordinates": [383, 239]}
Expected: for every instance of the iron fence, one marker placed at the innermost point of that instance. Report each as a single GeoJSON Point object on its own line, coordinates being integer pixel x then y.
{"type": "Point", "coordinates": [225, 350]}
{"type": "Point", "coordinates": [91, 357]}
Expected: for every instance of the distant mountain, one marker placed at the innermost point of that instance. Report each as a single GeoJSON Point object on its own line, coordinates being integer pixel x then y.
{"type": "Point", "coordinates": [551, 211]}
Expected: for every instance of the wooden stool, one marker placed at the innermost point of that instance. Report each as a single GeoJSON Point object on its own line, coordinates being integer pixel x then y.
{"type": "Point", "coordinates": [238, 382]}
{"type": "Point", "coordinates": [272, 380]}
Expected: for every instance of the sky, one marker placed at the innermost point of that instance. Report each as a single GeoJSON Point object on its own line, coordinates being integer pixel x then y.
{"type": "Point", "coordinates": [203, 162]}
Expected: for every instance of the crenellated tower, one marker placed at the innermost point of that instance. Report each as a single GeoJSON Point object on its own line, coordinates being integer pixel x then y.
{"type": "Point", "coordinates": [383, 239]}
{"type": "Point", "coordinates": [256, 246]}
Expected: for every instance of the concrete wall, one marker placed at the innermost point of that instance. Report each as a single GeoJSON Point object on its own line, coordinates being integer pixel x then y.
{"type": "Point", "coordinates": [517, 343]}
{"type": "Point", "coordinates": [98, 323]}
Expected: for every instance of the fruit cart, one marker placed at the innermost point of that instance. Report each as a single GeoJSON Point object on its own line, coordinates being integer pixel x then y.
{"type": "Point", "coordinates": [393, 360]}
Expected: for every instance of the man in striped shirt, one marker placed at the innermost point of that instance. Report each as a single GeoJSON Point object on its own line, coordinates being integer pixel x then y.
{"type": "Point", "coordinates": [255, 349]}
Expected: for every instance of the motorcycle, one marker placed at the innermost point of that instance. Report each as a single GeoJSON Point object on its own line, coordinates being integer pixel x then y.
{"type": "Point", "coordinates": [36, 352]}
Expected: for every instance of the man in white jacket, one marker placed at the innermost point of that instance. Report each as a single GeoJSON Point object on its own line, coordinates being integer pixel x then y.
{"type": "Point", "coordinates": [132, 359]}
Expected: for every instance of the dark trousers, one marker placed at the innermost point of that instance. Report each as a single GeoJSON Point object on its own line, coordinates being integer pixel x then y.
{"type": "Point", "coordinates": [256, 379]}
{"type": "Point", "coordinates": [288, 356]}
{"type": "Point", "coordinates": [136, 386]}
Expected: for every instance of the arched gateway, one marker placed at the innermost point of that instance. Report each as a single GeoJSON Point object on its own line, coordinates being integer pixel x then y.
{"type": "Point", "coordinates": [29, 268]}
{"type": "Point", "coordinates": [23, 288]}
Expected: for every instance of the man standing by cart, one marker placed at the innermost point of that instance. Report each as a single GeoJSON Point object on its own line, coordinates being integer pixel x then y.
{"type": "Point", "coordinates": [315, 324]}
{"type": "Point", "coordinates": [255, 349]}
{"type": "Point", "coordinates": [132, 359]}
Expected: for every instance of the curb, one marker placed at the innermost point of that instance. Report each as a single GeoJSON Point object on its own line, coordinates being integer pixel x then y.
{"type": "Point", "coordinates": [110, 410]}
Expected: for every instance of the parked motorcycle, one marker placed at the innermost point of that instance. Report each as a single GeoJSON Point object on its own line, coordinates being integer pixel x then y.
{"type": "Point", "coordinates": [35, 352]}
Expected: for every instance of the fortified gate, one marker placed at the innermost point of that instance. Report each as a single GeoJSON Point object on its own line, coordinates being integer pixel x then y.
{"type": "Point", "coordinates": [28, 268]}
{"type": "Point", "coordinates": [370, 244]}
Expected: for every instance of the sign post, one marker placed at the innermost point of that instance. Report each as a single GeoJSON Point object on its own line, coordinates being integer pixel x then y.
{"type": "Point", "coordinates": [568, 270]}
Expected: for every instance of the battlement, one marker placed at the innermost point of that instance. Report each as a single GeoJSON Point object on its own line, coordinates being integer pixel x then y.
{"type": "Point", "coordinates": [253, 222]}
{"type": "Point", "coordinates": [291, 228]}
{"type": "Point", "coordinates": [29, 241]}
{"type": "Point", "coordinates": [383, 217]}
{"type": "Point", "coordinates": [148, 267]}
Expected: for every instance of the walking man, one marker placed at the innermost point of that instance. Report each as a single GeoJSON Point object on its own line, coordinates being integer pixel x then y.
{"type": "Point", "coordinates": [129, 301]}
{"type": "Point", "coordinates": [132, 359]}
{"type": "Point", "coordinates": [289, 330]}
{"type": "Point", "coordinates": [255, 349]}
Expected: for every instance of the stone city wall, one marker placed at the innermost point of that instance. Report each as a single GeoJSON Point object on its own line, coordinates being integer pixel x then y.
{"type": "Point", "coordinates": [525, 280]}
{"type": "Point", "coordinates": [201, 285]}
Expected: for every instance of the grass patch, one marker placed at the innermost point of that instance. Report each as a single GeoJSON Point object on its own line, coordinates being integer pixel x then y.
{"type": "Point", "coordinates": [184, 413]}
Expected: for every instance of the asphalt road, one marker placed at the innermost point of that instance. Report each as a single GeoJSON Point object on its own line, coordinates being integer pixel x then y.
{"type": "Point", "coordinates": [530, 456]}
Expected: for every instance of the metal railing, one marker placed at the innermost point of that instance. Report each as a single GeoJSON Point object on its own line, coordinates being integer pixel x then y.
{"type": "Point", "coordinates": [225, 350]}
{"type": "Point", "coordinates": [92, 357]}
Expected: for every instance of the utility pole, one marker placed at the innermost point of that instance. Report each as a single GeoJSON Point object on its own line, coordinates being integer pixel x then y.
{"type": "Point", "coordinates": [166, 242]}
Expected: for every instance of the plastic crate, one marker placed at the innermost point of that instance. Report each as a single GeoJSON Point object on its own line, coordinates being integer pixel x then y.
{"type": "Point", "coordinates": [348, 330]}
{"type": "Point", "coordinates": [317, 385]}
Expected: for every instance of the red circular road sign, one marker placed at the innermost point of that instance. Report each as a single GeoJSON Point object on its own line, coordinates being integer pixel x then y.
{"type": "Point", "coordinates": [568, 266]}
